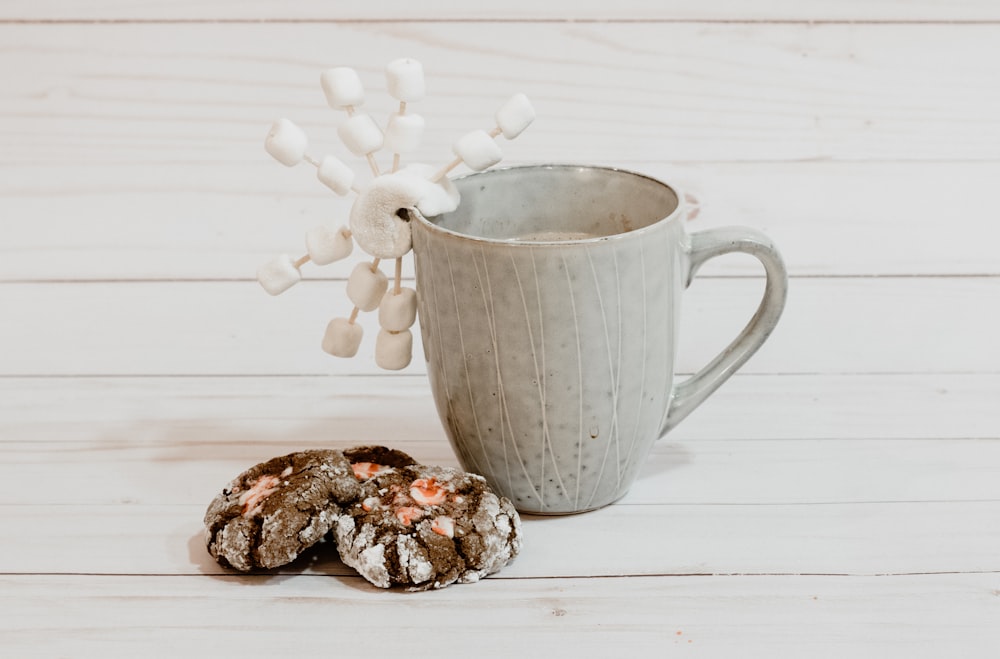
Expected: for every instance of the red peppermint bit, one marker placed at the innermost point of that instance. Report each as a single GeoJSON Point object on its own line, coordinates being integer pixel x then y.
{"type": "Point", "coordinates": [428, 491]}
{"type": "Point", "coordinates": [365, 470]}
{"type": "Point", "coordinates": [408, 514]}
{"type": "Point", "coordinates": [444, 525]}
{"type": "Point", "coordinates": [253, 498]}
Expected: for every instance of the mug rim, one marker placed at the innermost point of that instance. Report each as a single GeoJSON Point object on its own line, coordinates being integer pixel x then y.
{"type": "Point", "coordinates": [674, 216]}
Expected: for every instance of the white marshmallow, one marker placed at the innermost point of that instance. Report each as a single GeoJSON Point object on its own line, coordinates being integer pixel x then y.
{"type": "Point", "coordinates": [278, 275]}
{"type": "Point", "coordinates": [478, 150]}
{"type": "Point", "coordinates": [325, 246]}
{"type": "Point", "coordinates": [405, 78]}
{"type": "Point", "coordinates": [360, 134]}
{"type": "Point", "coordinates": [398, 312]}
{"type": "Point", "coordinates": [286, 142]}
{"type": "Point", "coordinates": [375, 224]}
{"type": "Point", "coordinates": [342, 87]}
{"type": "Point", "coordinates": [393, 350]}
{"type": "Point", "coordinates": [437, 198]}
{"type": "Point", "coordinates": [515, 115]}
{"type": "Point", "coordinates": [335, 174]}
{"type": "Point", "coordinates": [366, 286]}
{"type": "Point", "coordinates": [403, 133]}
{"type": "Point", "coordinates": [342, 338]}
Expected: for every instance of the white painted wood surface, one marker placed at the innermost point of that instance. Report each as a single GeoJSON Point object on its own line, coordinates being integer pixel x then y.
{"type": "Point", "coordinates": [839, 497]}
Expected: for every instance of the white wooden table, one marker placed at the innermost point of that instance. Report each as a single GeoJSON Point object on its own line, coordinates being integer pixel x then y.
{"type": "Point", "coordinates": [839, 497]}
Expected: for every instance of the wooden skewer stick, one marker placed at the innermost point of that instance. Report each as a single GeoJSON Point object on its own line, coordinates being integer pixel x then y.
{"type": "Point", "coordinates": [441, 173]}
{"type": "Point", "coordinates": [397, 288]}
{"type": "Point", "coordinates": [302, 261]}
{"type": "Point", "coordinates": [374, 165]}
{"type": "Point", "coordinates": [395, 156]}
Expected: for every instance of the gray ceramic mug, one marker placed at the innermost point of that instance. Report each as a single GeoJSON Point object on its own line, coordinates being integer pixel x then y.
{"type": "Point", "coordinates": [549, 305]}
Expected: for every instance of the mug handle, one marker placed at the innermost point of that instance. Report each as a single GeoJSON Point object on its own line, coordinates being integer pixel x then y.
{"type": "Point", "coordinates": [706, 245]}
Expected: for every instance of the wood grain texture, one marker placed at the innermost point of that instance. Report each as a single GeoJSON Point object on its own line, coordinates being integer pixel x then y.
{"type": "Point", "coordinates": [222, 221]}
{"type": "Point", "coordinates": [839, 497]}
{"type": "Point", "coordinates": [920, 616]}
{"type": "Point", "coordinates": [164, 94]}
{"type": "Point", "coordinates": [892, 325]}
{"type": "Point", "coordinates": [846, 539]}
{"type": "Point", "coordinates": [246, 418]}
{"type": "Point", "coordinates": [520, 10]}
{"type": "Point", "coordinates": [189, 465]}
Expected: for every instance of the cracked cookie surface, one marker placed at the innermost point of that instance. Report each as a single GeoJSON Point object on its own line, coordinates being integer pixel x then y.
{"type": "Point", "coordinates": [369, 461]}
{"type": "Point", "coordinates": [273, 511]}
{"type": "Point", "coordinates": [427, 527]}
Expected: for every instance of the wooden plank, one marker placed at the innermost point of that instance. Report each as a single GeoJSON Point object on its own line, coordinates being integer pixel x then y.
{"type": "Point", "coordinates": [521, 10]}
{"type": "Point", "coordinates": [191, 471]}
{"type": "Point", "coordinates": [250, 418]}
{"type": "Point", "coordinates": [212, 220]}
{"type": "Point", "coordinates": [892, 325]}
{"type": "Point", "coordinates": [620, 540]}
{"type": "Point", "coordinates": [916, 616]}
{"type": "Point", "coordinates": [625, 92]}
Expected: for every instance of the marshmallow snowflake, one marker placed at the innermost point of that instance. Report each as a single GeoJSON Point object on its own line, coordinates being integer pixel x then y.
{"type": "Point", "coordinates": [380, 215]}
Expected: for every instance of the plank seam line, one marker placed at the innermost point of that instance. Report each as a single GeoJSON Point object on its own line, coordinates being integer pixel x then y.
{"type": "Point", "coordinates": [501, 20]}
{"type": "Point", "coordinates": [340, 280]}
{"type": "Point", "coordinates": [501, 577]}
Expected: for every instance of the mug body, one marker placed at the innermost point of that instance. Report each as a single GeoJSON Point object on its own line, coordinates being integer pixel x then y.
{"type": "Point", "coordinates": [549, 306]}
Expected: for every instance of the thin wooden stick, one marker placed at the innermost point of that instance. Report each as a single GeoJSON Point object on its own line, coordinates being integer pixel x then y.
{"type": "Point", "coordinates": [395, 156]}
{"type": "Point", "coordinates": [302, 261]}
{"type": "Point", "coordinates": [373, 165]}
{"type": "Point", "coordinates": [441, 173]}
{"type": "Point", "coordinates": [397, 289]}
{"type": "Point", "coordinates": [354, 315]}
{"type": "Point", "coordinates": [496, 131]}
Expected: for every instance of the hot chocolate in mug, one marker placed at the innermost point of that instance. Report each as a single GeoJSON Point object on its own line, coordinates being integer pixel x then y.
{"type": "Point", "coordinates": [549, 306]}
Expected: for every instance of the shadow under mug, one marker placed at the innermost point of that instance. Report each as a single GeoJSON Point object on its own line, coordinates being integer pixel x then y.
{"type": "Point", "coordinates": [549, 307]}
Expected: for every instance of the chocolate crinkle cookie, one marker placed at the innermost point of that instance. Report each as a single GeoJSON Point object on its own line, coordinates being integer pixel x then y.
{"type": "Point", "coordinates": [369, 461]}
{"type": "Point", "coordinates": [427, 527]}
{"type": "Point", "coordinates": [272, 512]}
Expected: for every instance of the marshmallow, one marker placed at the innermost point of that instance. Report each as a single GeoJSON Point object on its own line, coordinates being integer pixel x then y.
{"type": "Point", "coordinates": [402, 135]}
{"type": "Point", "coordinates": [477, 150]}
{"type": "Point", "coordinates": [366, 286]}
{"type": "Point", "coordinates": [405, 78]}
{"type": "Point", "coordinates": [342, 338]}
{"type": "Point", "coordinates": [278, 275]}
{"type": "Point", "coordinates": [335, 174]}
{"type": "Point", "coordinates": [515, 115]}
{"type": "Point", "coordinates": [436, 198]}
{"type": "Point", "coordinates": [375, 223]}
{"type": "Point", "coordinates": [398, 312]}
{"type": "Point", "coordinates": [286, 142]}
{"type": "Point", "coordinates": [325, 246]}
{"type": "Point", "coordinates": [360, 134]}
{"type": "Point", "coordinates": [342, 87]}
{"type": "Point", "coordinates": [393, 350]}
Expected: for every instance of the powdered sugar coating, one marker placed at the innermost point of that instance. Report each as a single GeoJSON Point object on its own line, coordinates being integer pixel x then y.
{"type": "Point", "coordinates": [392, 538]}
{"type": "Point", "coordinates": [273, 511]}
